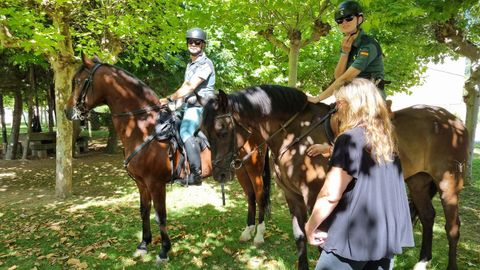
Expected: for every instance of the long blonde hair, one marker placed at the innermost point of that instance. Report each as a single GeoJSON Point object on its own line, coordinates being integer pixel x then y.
{"type": "Point", "coordinates": [365, 107]}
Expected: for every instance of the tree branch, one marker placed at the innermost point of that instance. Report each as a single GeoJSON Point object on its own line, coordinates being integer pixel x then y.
{"type": "Point", "coordinates": [452, 36]}
{"type": "Point", "coordinates": [268, 35]}
{"type": "Point", "coordinates": [319, 29]}
{"type": "Point", "coordinates": [7, 40]}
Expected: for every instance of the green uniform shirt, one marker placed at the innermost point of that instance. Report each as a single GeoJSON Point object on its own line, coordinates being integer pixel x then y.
{"type": "Point", "coordinates": [366, 56]}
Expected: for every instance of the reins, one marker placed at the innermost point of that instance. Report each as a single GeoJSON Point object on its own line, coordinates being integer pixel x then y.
{"type": "Point", "coordinates": [310, 129]}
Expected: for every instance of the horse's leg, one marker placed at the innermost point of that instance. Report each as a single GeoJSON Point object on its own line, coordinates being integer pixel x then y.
{"type": "Point", "coordinates": [422, 189]}
{"type": "Point", "coordinates": [261, 178]}
{"type": "Point", "coordinates": [145, 206]}
{"type": "Point", "coordinates": [244, 180]}
{"type": "Point", "coordinates": [158, 192]}
{"type": "Point", "coordinates": [449, 188]}
{"type": "Point", "coordinates": [298, 210]}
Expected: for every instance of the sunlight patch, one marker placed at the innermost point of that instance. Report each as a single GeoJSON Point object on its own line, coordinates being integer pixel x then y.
{"type": "Point", "coordinates": [8, 175]}
{"type": "Point", "coordinates": [101, 201]}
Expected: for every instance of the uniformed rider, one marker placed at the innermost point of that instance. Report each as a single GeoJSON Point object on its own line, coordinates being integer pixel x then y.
{"type": "Point", "coordinates": [200, 79]}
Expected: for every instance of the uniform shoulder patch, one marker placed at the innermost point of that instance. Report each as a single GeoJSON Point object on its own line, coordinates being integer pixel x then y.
{"type": "Point", "coordinates": [364, 53]}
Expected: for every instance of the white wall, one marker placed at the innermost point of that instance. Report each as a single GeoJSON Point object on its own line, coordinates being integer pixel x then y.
{"type": "Point", "coordinates": [443, 87]}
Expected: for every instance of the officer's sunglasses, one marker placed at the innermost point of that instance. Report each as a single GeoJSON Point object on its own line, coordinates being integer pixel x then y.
{"type": "Point", "coordinates": [194, 41]}
{"type": "Point", "coordinates": [348, 19]}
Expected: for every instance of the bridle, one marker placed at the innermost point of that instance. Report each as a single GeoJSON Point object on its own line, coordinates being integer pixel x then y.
{"type": "Point", "coordinates": [237, 162]}
{"type": "Point", "coordinates": [80, 111]}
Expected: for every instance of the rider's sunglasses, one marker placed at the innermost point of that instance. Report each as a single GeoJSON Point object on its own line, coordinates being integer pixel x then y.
{"type": "Point", "coordinates": [348, 19]}
{"type": "Point", "coordinates": [194, 41]}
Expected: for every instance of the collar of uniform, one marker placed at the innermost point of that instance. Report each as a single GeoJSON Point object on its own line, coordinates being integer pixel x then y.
{"type": "Point", "coordinates": [358, 40]}
{"type": "Point", "coordinates": [200, 57]}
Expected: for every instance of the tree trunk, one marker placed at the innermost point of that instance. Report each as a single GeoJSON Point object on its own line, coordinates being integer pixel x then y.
{"type": "Point", "coordinates": [112, 143]}
{"type": "Point", "coordinates": [51, 107]}
{"type": "Point", "coordinates": [15, 132]}
{"type": "Point", "coordinates": [31, 80]}
{"type": "Point", "coordinates": [63, 72]}
{"type": "Point", "coordinates": [293, 60]}
{"type": "Point", "coordinates": [472, 100]}
{"type": "Point", "coordinates": [4, 126]}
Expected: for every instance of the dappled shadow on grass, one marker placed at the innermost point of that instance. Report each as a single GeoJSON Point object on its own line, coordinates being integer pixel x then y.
{"type": "Point", "coordinates": [26, 182]}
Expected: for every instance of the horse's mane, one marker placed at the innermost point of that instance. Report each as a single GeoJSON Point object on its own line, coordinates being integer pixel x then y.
{"type": "Point", "coordinates": [138, 86]}
{"type": "Point", "coordinates": [263, 101]}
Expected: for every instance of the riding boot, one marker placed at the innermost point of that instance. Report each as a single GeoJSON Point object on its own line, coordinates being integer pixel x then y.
{"type": "Point", "coordinates": [193, 155]}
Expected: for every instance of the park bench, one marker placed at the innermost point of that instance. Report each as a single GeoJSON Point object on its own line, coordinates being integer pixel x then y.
{"type": "Point", "coordinates": [40, 143]}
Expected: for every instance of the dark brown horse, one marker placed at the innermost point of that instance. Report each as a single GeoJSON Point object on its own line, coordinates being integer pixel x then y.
{"type": "Point", "coordinates": [150, 162]}
{"type": "Point", "coordinates": [432, 142]}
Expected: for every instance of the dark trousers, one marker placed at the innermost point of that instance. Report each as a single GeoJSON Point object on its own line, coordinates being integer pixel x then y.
{"type": "Point", "coordinates": [330, 261]}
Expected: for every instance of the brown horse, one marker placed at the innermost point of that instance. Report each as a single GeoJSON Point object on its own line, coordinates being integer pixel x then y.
{"type": "Point", "coordinates": [150, 162]}
{"type": "Point", "coordinates": [432, 142]}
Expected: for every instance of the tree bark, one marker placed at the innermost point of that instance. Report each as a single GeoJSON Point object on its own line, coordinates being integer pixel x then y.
{"type": "Point", "coordinates": [112, 142]}
{"type": "Point", "coordinates": [51, 107]}
{"type": "Point", "coordinates": [16, 121]}
{"type": "Point", "coordinates": [63, 72]}
{"type": "Point", "coordinates": [472, 100]}
{"type": "Point", "coordinates": [293, 54]}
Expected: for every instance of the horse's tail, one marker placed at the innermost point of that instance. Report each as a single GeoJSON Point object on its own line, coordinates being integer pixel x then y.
{"type": "Point", "coordinates": [267, 180]}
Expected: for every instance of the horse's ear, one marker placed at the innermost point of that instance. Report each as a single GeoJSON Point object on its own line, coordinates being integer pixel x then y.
{"type": "Point", "coordinates": [87, 62]}
{"type": "Point", "coordinates": [222, 100]}
{"type": "Point", "coordinates": [96, 59]}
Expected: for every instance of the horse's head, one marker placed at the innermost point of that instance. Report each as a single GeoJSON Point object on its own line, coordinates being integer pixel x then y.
{"type": "Point", "coordinates": [225, 134]}
{"type": "Point", "coordinates": [83, 99]}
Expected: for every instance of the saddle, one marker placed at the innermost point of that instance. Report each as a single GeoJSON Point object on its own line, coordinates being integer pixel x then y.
{"type": "Point", "coordinates": [167, 128]}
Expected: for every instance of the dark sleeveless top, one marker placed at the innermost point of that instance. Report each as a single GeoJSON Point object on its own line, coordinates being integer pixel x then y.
{"type": "Point", "coordinates": [372, 220]}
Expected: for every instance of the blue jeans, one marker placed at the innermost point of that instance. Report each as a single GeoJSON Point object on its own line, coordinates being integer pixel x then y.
{"type": "Point", "coordinates": [190, 122]}
{"type": "Point", "coordinates": [330, 261]}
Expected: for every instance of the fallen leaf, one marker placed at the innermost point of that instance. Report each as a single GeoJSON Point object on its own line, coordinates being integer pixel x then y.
{"type": "Point", "coordinates": [102, 256]}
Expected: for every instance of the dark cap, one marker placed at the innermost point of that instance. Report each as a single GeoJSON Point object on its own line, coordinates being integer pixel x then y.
{"type": "Point", "coordinates": [348, 8]}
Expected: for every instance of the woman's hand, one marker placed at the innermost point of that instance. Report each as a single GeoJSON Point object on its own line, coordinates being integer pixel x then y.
{"type": "Point", "coordinates": [324, 149]}
{"type": "Point", "coordinates": [317, 238]}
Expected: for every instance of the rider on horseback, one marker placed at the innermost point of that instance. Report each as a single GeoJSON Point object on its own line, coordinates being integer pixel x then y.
{"type": "Point", "coordinates": [199, 79]}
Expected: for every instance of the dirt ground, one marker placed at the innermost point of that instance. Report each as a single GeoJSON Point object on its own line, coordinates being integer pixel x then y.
{"type": "Point", "coordinates": [23, 182]}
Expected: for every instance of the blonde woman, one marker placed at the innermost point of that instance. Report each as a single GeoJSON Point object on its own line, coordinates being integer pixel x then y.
{"type": "Point", "coordinates": [361, 217]}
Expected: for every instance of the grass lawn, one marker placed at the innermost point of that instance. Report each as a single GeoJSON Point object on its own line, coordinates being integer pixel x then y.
{"type": "Point", "coordinates": [99, 227]}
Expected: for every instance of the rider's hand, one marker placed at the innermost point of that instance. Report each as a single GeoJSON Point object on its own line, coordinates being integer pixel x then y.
{"type": "Point", "coordinates": [163, 101]}
{"type": "Point", "coordinates": [313, 99]}
{"type": "Point", "coordinates": [347, 43]}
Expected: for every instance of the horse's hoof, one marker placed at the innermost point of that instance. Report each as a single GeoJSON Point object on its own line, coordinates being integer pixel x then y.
{"type": "Point", "coordinates": [247, 233]}
{"type": "Point", "coordinates": [139, 253]}
{"type": "Point", "coordinates": [258, 241]}
{"type": "Point", "coordinates": [421, 266]}
{"type": "Point", "coordinates": [161, 261]}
